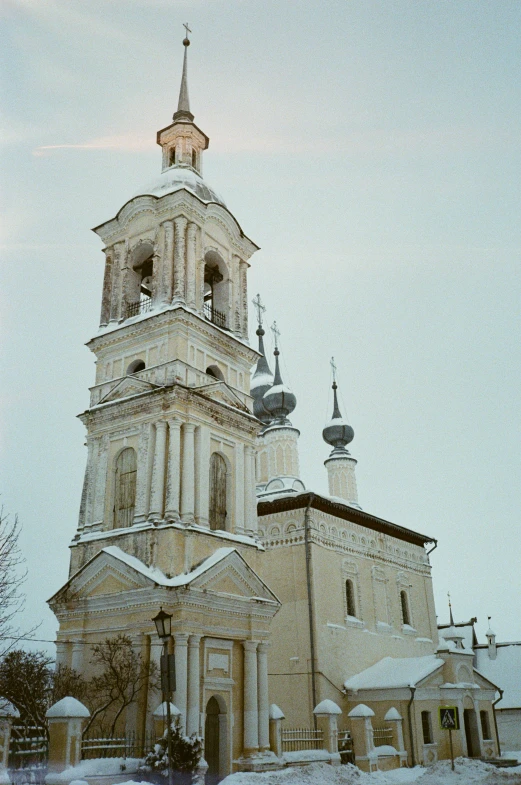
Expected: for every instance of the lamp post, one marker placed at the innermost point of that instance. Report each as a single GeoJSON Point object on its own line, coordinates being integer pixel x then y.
{"type": "Point", "coordinates": [163, 622]}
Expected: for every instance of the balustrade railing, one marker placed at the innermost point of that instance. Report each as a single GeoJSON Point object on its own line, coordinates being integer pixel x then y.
{"type": "Point", "coordinates": [295, 739]}
{"type": "Point", "coordinates": [215, 316]}
{"type": "Point", "coordinates": [382, 736]}
{"type": "Point", "coordinates": [130, 746]}
{"type": "Point", "coordinates": [142, 306]}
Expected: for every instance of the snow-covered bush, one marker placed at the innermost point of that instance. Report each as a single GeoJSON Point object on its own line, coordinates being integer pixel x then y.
{"type": "Point", "coordinates": [186, 752]}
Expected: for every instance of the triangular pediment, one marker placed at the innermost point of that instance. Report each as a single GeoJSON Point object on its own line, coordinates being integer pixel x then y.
{"type": "Point", "coordinates": [102, 575]}
{"type": "Point", "coordinates": [233, 576]}
{"type": "Point", "coordinates": [483, 682]}
{"type": "Point", "coordinates": [222, 393]}
{"type": "Point", "coordinates": [128, 387]}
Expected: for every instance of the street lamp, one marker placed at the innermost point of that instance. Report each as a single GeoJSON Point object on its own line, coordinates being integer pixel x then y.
{"type": "Point", "coordinates": [163, 622]}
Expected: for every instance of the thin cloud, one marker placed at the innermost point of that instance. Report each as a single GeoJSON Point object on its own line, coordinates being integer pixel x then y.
{"type": "Point", "coordinates": [128, 143]}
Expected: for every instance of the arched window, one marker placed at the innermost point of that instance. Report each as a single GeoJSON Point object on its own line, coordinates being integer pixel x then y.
{"type": "Point", "coordinates": [404, 600]}
{"type": "Point", "coordinates": [485, 725]}
{"type": "Point", "coordinates": [427, 727]}
{"type": "Point", "coordinates": [125, 490]}
{"type": "Point", "coordinates": [350, 598]}
{"type": "Point", "coordinates": [135, 366]}
{"type": "Point", "coordinates": [194, 159]}
{"type": "Point", "coordinates": [217, 492]}
{"type": "Point", "coordinates": [171, 157]}
{"type": "Point", "coordinates": [215, 371]}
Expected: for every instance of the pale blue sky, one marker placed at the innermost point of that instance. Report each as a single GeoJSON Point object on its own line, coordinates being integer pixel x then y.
{"type": "Point", "coordinates": [372, 150]}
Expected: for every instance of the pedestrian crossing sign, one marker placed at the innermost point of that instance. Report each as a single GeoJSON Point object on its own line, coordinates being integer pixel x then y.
{"type": "Point", "coordinates": [448, 717]}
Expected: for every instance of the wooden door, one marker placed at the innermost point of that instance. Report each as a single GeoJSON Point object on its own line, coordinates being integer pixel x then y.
{"type": "Point", "coordinates": [217, 492]}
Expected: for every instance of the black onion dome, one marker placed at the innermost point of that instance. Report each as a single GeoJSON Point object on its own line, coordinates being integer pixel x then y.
{"type": "Point", "coordinates": [337, 432]}
{"type": "Point", "coordinates": [262, 381]}
{"type": "Point", "coordinates": [279, 401]}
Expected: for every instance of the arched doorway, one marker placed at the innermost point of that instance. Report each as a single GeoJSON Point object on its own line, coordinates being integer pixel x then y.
{"type": "Point", "coordinates": [214, 742]}
{"type": "Point", "coordinates": [471, 733]}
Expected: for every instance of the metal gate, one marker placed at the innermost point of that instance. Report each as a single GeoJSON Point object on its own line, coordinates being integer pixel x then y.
{"type": "Point", "coordinates": [28, 754]}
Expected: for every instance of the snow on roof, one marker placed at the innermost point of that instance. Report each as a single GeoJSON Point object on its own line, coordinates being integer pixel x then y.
{"type": "Point", "coordinates": [68, 707]}
{"type": "Point", "coordinates": [465, 630]}
{"type": "Point", "coordinates": [8, 709]}
{"type": "Point", "coordinates": [394, 672]}
{"type": "Point", "coordinates": [505, 671]}
{"type": "Point", "coordinates": [159, 577]}
{"type": "Point", "coordinates": [174, 179]}
{"type": "Point", "coordinates": [327, 707]}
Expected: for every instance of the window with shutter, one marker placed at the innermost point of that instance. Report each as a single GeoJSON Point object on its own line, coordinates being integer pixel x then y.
{"type": "Point", "coordinates": [217, 492]}
{"type": "Point", "coordinates": [125, 491]}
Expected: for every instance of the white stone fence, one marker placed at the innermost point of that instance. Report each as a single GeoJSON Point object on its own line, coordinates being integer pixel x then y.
{"type": "Point", "coordinates": [377, 748]}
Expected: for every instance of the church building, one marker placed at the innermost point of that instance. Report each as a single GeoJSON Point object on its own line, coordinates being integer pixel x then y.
{"type": "Point", "coordinates": [192, 502]}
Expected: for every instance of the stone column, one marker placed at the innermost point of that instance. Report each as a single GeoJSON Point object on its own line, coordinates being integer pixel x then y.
{"type": "Point", "coordinates": [187, 474]}
{"type": "Point", "coordinates": [202, 476]}
{"type": "Point", "coordinates": [167, 267]}
{"type": "Point", "coordinates": [250, 500]}
{"type": "Point", "coordinates": [179, 260]}
{"type": "Point", "coordinates": [101, 479]}
{"type": "Point", "coordinates": [251, 714]}
{"type": "Point", "coordinates": [107, 288]}
{"type": "Point", "coordinates": [61, 654]}
{"type": "Point", "coordinates": [115, 293]}
{"type": "Point", "coordinates": [181, 675]}
{"type": "Point", "coordinates": [192, 720]}
{"type": "Point", "coordinates": [93, 447]}
{"type": "Point", "coordinates": [243, 284]}
{"type": "Point", "coordinates": [158, 473]}
{"type": "Point", "coordinates": [240, 495]}
{"type": "Point", "coordinates": [142, 479]}
{"type": "Point", "coordinates": [191, 240]}
{"type": "Point", "coordinates": [263, 700]}
{"type": "Point", "coordinates": [173, 470]}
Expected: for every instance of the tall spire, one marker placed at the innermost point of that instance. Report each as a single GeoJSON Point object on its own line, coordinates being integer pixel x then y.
{"type": "Point", "coordinates": [262, 379]}
{"type": "Point", "coordinates": [279, 400]}
{"type": "Point", "coordinates": [183, 105]}
{"type": "Point", "coordinates": [337, 432]}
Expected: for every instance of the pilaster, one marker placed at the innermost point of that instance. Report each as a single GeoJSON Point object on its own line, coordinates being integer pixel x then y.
{"type": "Point", "coordinates": [202, 476]}
{"type": "Point", "coordinates": [181, 675]}
{"type": "Point", "coordinates": [191, 238]}
{"type": "Point", "coordinates": [107, 288]}
{"type": "Point", "coordinates": [192, 721]}
{"type": "Point", "coordinates": [101, 480]}
{"type": "Point", "coordinates": [263, 701]}
{"type": "Point", "coordinates": [179, 260]}
{"type": "Point", "coordinates": [142, 479]}
{"type": "Point", "coordinates": [173, 470]}
{"type": "Point", "coordinates": [240, 492]}
{"type": "Point", "coordinates": [251, 711]}
{"type": "Point", "coordinates": [158, 473]}
{"type": "Point", "coordinates": [187, 473]}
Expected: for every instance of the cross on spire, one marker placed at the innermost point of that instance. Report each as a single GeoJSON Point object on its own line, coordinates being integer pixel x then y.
{"type": "Point", "coordinates": [276, 334]}
{"type": "Point", "coordinates": [333, 368]}
{"type": "Point", "coordinates": [187, 30]}
{"type": "Point", "coordinates": [260, 308]}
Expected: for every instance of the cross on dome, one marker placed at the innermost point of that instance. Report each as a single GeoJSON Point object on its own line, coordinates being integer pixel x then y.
{"type": "Point", "coordinates": [333, 368]}
{"type": "Point", "coordinates": [276, 335]}
{"type": "Point", "coordinates": [260, 308]}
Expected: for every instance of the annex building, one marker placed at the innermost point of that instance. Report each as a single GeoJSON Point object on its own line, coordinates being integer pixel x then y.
{"type": "Point", "coordinates": [282, 599]}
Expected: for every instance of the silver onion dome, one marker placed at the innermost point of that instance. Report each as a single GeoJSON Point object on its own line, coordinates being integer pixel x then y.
{"type": "Point", "coordinates": [262, 381]}
{"type": "Point", "coordinates": [279, 401]}
{"type": "Point", "coordinates": [337, 432]}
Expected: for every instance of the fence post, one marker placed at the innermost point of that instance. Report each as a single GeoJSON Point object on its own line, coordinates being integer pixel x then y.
{"type": "Point", "coordinates": [275, 718]}
{"type": "Point", "coordinates": [394, 716]}
{"type": "Point", "coordinates": [8, 713]}
{"type": "Point", "coordinates": [66, 720]}
{"type": "Point", "coordinates": [326, 713]}
{"type": "Point", "coordinates": [160, 718]}
{"type": "Point", "coordinates": [362, 733]}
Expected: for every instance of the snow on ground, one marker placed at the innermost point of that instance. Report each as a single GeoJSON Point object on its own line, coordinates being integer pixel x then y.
{"type": "Point", "coordinates": [467, 772]}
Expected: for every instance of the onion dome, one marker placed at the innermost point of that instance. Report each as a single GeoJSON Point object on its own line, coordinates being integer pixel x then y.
{"type": "Point", "coordinates": [261, 382]}
{"type": "Point", "coordinates": [279, 401]}
{"type": "Point", "coordinates": [337, 432]}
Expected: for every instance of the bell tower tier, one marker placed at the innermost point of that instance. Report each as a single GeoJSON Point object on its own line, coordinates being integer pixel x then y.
{"type": "Point", "coordinates": [171, 432]}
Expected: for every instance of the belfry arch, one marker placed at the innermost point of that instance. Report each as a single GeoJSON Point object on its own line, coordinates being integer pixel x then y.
{"type": "Point", "coordinates": [216, 289]}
